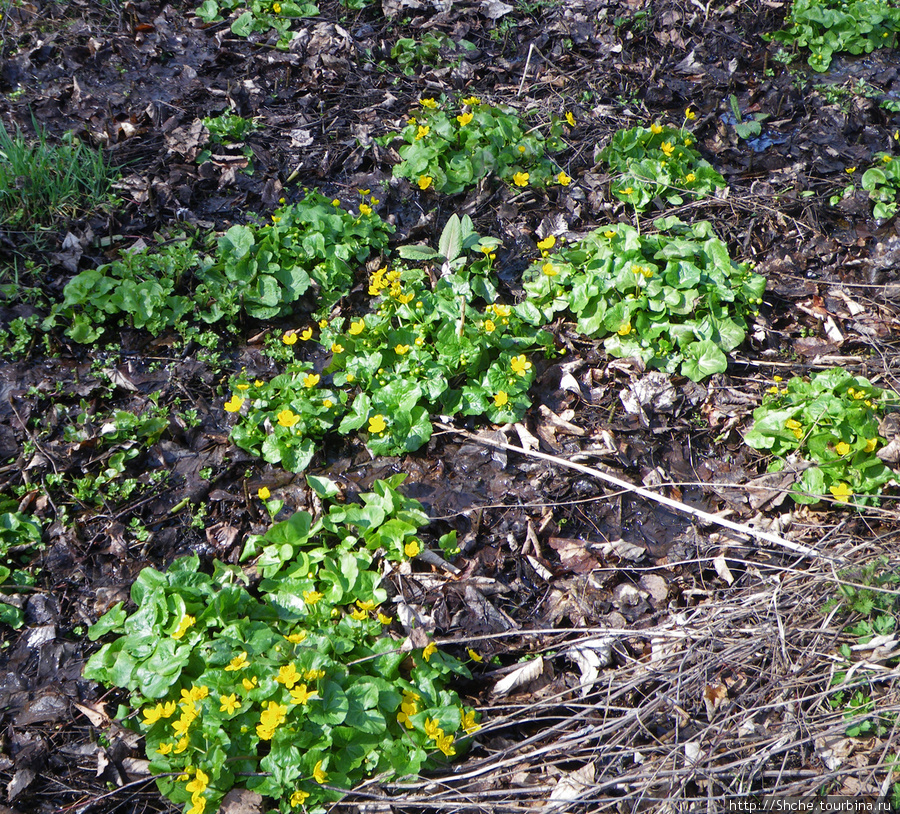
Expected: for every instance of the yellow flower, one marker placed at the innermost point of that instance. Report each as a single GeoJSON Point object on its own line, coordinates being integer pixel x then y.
{"type": "Point", "coordinates": [314, 675]}
{"type": "Point", "coordinates": [521, 148]}
{"type": "Point", "coordinates": [310, 380]}
{"type": "Point", "coordinates": [425, 182]}
{"type": "Point", "coordinates": [182, 744]}
{"type": "Point", "coordinates": [520, 179]}
{"type": "Point", "coordinates": [258, 383]}
{"type": "Point", "coordinates": [300, 695]}
{"type": "Point", "coordinates": [328, 404]}
{"type": "Point", "coordinates": [570, 118]}
{"type": "Point", "coordinates": [165, 748]}
{"type": "Point", "coordinates": [229, 703]}
{"type": "Point", "coordinates": [501, 398]}
{"type": "Point", "coordinates": [250, 683]}
{"type": "Point", "coordinates": [412, 549]}
{"type": "Point", "coordinates": [850, 170]}
{"type": "Point", "coordinates": [609, 233]}
{"type": "Point", "coordinates": [243, 386]}
{"type": "Point", "coordinates": [624, 329]}
{"type": "Point", "coordinates": [276, 7]}
{"type": "Point", "coordinates": [445, 744]}
{"type": "Point", "coordinates": [886, 159]}
{"type": "Point", "coordinates": [296, 638]}
{"type": "Point", "coordinates": [549, 269]}
{"type": "Point", "coordinates": [199, 693]}
{"type": "Point", "coordinates": [359, 615]}
{"type": "Point", "coordinates": [323, 324]}
{"type": "Point", "coordinates": [186, 622]}
{"type": "Point", "coordinates": [464, 119]}
{"type": "Point", "coordinates": [357, 327]}
{"type": "Point", "coordinates": [688, 142]}
{"type": "Point", "coordinates": [351, 378]}
{"type": "Point", "coordinates": [198, 800]}
{"type": "Point", "coordinates": [471, 100]}
{"type": "Point", "coordinates": [690, 178]}
{"type": "Point", "coordinates": [429, 651]}
{"type": "Point", "coordinates": [385, 620]}
{"type": "Point", "coordinates": [153, 714]}
{"type": "Point", "coordinates": [337, 347]}
{"type": "Point", "coordinates": [239, 662]}
{"type": "Point", "coordinates": [473, 655]}
{"type": "Point", "coordinates": [363, 192]}
{"type": "Point", "coordinates": [298, 798]}
{"type": "Point", "coordinates": [627, 191]}
{"type": "Point", "coordinates": [564, 179]}
{"type": "Point", "coordinates": [312, 597]}
{"type": "Point", "coordinates": [287, 418]}
{"type": "Point", "coordinates": [263, 494]}
{"type": "Point", "coordinates": [319, 774]}
{"type": "Point", "coordinates": [377, 423]}
{"type": "Point", "coordinates": [288, 675]}
{"type": "Point", "coordinates": [234, 404]}
{"type": "Point", "coordinates": [520, 365]}
{"type": "Point", "coordinates": [667, 148]}
{"type": "Point", "coordinates": [433, 729]}
{"type": "Point", "coordinates": [289, 338]}
{"type": "Point", "coordinates": [489, 326]}
{"type": "Point", "coordinates": [336, 202]}
{"type": "Point", "coordinates": [501, 310]}
{"type": "Point", "coordinates": [842, 448]}
{"type": "Point", "coordinates": [467, 722]}
{"type": "Point", "coordinates": [199, 783]}
{"type": "Point", "coordinates": [366, 604]}
{"type": "Point", "coordinates": [422, 131]}
{"type": "Point", "coordinates": [689, 114]}
{"type": "Point", "coordinates": [401, 350]}
{"type": "Point", "coordinates": [871, 443]}
{"type": "Point", "coordinates": [431, 104]}
{"type": "Point", "coordinates": [547, 243]}
{"type": "Point", "coordinates": [365, 209]}
{"type": "Point", "coordinates": [841, 492]}
{"type": "Point", "coordinates": [182, 725]}
{"type": "Point", "coordinates": [656, 128]}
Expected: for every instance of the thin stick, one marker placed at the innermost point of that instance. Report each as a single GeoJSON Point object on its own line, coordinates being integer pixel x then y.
{"type": "Point", "coordinates": [646, 493]}
{"type": "Point", "coordinates": [525, 72]}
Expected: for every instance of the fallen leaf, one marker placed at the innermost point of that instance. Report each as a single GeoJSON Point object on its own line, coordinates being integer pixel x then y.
{"type": "Point", "coordinates": [570, 787]}
{"type": "Point", "coordinates": [523, 674]}
{"type": "Point", "coordinates": [241, 801]}
{"type": "Point", "coordinates": [591, 656]}
{"type": "Point", "coordinates": [495, 9]}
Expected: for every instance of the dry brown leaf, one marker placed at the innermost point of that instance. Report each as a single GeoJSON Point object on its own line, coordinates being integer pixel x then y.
{"type": "Point", "coordinates": [570, 787]}
{"type": "Point", "coordinates": [241, 801]}
{"type": "Point", "coordinates": [522, 675]}
{"type": "Point", "coordinates": [714, 697]}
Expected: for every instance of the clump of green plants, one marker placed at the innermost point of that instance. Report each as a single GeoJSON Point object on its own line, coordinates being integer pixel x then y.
{"type": "Point", "coordinates": [658, 162]}
{"type": "Point", "coordinates": [257, 270]}
{"type": "Point", "coordinates": [41, 182]}
{"type": "Point", "coordinates": [445, 348]}
{"type": "Point", "coordinates": [299, 690]}
{"type": "Point", "coordinates": [434, 48]}
{"type": "Point", "coordinates": [827, 27]}
{"type": "Point", "coordinates": [452, 151]}
{"type": "Point", "coordinates": [872, 599]}
{"type": "Point", "coordinates": [229, 130]}
{"type": "Point", "coordinates": [20, 536]}
{"type": "Point", "coordinates": [258, 16]}
{"type": "Point", "coordinates": [673, 298]}
{"type": "Point", "coordinates": [882, 183]}
{"type": "Point", "coordinates": [828, 423]}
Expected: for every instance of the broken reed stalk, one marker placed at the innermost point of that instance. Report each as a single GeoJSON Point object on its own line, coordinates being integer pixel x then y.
{"type": "Point", "coordinates": [677, 505]}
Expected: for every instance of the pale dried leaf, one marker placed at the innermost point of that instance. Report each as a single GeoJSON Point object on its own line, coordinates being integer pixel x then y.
{"type": "Point", "coordinates": [722, 569]}
{"type": "Point", "coordinates": [522, 675]}
{"type": "Point", "coordinates": [95, 713]}
{"type": "Point", "coordinates": [591, 656]}
{"type": "Point", "coordinates": [714, 696]}
{"type": "Point", "coordinates": [495, 9]}
{"type": "Point", "coordinates": [241, 801]}
{"type": "Point", "coordinates": [570, 787]}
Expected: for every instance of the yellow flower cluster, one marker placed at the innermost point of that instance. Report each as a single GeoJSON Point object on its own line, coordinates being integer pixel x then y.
{"type": "Point", "coordinates": [390, 280]}
{"type": "Point", "coordinates": [860, 395]}
{"type": "Point", "coordinates": [795, 427]}
{"type": "Point", "coordinates": [272, 716]}
{"type": "Point", "coordinates": [520, 365]}
{"type": "Point", "coordinates": [443, 742]}
{"type": "Point", "coordinates": [467, 720]}
{"type": "Point", "coordinates": [196, 787]}
{"type": "Point", "coordinates": [409, 706]}
{"type": "Point", "coordinates": [644, 271]}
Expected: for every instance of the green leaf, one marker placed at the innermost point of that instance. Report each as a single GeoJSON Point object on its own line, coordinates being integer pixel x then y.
{"type": "Point", "coordinates": [702, 359]}
{"type": "Point", "coordinates": [451, 241]}
{"type": "Point", "coordinates": [242, 27]}
{"type": "Point", "coordinates": [322, 486]}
